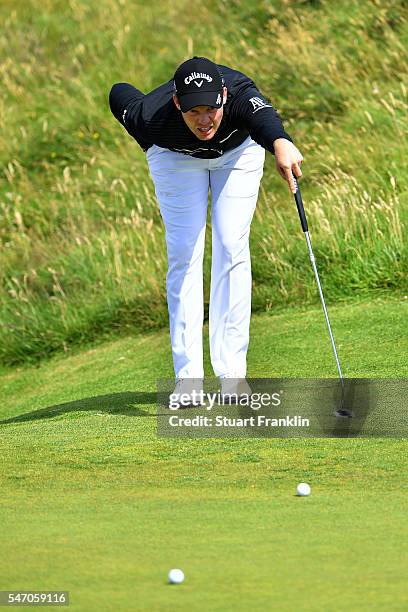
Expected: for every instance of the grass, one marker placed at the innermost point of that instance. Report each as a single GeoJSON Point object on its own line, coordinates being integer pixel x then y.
{"type": "Point", "coordinates": [94, 503]}
{"type": "Point", "coordinates": [92, 500]}
{"type": "Point", "coordinates": [83, 253]}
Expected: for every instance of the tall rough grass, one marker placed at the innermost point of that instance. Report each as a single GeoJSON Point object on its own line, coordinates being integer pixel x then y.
{"type": "Point", "coordinates": [83, 251]}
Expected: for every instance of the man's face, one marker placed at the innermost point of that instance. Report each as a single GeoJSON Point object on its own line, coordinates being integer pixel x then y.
{"type": "Point", "coordinates": [203, 121]}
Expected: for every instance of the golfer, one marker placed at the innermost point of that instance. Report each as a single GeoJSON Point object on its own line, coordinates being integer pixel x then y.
{"type": "Point", "coordinates": [206, 130]}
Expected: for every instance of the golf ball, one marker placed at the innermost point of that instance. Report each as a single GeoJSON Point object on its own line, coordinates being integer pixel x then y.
{"type": "Point", "coordinates": [176, 576]}
{"type": "Point", "coordinates": [303, 489]}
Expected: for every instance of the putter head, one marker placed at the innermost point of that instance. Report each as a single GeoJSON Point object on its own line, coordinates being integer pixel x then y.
{"type": "Point", "coordinates": [343, 413]}
{"type": "Point", "coordinates": [347, 399]}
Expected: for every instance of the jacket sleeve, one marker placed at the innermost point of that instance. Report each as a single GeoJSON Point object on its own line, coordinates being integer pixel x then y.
{"type": "Point", "coordinates": [250, 107]}
{"type": "Point", "coordinates": [126, 102]}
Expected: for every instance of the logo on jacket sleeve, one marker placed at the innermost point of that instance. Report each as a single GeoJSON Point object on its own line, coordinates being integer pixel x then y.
{"type": "Point", "coordinates": [259, 104]}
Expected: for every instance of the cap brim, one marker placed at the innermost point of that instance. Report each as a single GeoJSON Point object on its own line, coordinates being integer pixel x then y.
{"type": "Point", "coordinates": [200, 98]}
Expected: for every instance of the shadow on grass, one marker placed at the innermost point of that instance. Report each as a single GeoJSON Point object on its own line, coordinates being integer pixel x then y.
{"type": "Point", "coordinates": [128, 404]}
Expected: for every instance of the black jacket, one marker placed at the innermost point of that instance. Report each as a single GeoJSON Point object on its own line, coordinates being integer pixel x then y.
{"type": "Point", "coordinates": [154, 119]}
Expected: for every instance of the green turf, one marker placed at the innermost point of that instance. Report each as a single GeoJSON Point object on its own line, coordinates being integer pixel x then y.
{"type": "Point", "coordinates": [94, 503]}
{"type": "Point", "coordinates": [82, 240]}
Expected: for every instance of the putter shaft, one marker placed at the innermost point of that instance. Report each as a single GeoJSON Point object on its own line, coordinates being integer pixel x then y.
{"type": "Point", "coordinates": [303, 221]}
{"type": "Point", "coordinates": [326, 314]}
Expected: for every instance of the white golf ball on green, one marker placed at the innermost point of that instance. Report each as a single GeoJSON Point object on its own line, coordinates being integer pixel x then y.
{"type": "Point", "coordinates": [176, 576]}
{"type": "Point", "coordinates": [303, 489]}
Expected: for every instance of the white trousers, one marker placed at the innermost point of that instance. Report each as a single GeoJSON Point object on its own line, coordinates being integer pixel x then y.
{"type": "Point", "coordinates": [182, 184]}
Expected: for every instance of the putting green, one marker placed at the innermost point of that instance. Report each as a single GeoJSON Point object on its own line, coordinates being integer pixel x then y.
{"type": "Point", "coordinates": [94, 503]}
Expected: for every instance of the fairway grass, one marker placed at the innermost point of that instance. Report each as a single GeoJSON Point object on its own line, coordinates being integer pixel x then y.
{"type": "Point", "coordinates": [94, 503]}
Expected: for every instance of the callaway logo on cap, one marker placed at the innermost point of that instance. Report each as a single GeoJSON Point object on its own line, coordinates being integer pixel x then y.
{"type": "Point", "coordinates": [198, 82]}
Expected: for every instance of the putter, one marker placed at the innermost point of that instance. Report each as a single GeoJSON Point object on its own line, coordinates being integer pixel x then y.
{"type": "Point", "coordinates": [341, 411]}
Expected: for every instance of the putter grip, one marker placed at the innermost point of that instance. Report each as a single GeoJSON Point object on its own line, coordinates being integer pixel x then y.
{"type": "Point", "coordinates": [299, 204]}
